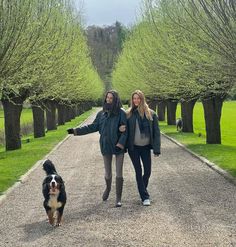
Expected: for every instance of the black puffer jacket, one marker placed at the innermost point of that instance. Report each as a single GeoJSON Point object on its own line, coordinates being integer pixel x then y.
{"type": "Point", "coordinates": [155, 139]}
{"type": "Point", "coordinates": [108, 127]}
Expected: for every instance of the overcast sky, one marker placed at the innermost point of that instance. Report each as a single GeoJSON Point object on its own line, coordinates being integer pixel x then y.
{"type": "Point", "coordinates": [107, 12]}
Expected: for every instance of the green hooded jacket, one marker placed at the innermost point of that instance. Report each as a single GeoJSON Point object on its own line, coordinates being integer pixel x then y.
{"type": "Point", "coordinates": [108, 126]}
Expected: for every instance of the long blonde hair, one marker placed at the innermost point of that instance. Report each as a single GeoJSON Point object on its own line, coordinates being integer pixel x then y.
{"type": "Point", "coordinates": [142, 108]}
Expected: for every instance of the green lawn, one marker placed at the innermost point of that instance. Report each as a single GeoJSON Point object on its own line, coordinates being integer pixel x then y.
{"type": "Point", "coordinates": [15, 163]}
{"type": "Point", "coordinates": [223, 155]}
{"type": "Point", "coordinates": [26, 117]}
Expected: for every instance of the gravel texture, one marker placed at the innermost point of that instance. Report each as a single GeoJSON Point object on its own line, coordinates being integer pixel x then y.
{"type": "Point", "coordinates": [191, 204]}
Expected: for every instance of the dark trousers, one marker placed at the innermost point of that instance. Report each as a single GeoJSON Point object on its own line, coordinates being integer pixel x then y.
{"type": "Point", "coordinates": [136, 155]}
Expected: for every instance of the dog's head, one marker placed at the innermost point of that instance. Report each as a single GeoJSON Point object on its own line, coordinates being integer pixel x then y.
{"type": "Point", "coordinates": [54, 184]}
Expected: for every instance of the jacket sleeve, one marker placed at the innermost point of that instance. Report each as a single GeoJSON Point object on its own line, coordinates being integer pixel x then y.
{"type": "Point", "coordinates": [156, 135]}
{"type": "Point", "coordinates": [90, 128]}
{"type": "Point", "coordinates": [123, 135]}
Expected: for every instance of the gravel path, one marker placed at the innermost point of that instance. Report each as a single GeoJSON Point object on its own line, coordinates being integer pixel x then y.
{"type": "Point", "coordinates": [192, 205]}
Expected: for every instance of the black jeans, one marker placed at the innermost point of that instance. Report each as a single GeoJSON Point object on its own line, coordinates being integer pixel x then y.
{"type": "Point", "coordinates": [136, 155]}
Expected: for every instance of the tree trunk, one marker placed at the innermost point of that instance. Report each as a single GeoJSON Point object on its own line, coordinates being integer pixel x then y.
{"type": "Point", "coordinates": [67, 113]}
{"type": "Point", "coordinates": [39, 121]}
{"type": "Point", "coordinates": [78, 110]}
{"type": "Point", "coordinates": [212, 113]}
{"type": "Point", "coordinates": [91, 105]}
{"type": "Point", "coordinates": [187, 115]}
{"type": "Point", "coordinates": [82, 107]}
{"type": "Point", "coordinates": [161, 110]}
{"type": "Point", "coordinates": [51, 115]}
{"type": "Point", "coordinates": [153, 105]}
{"type": "Point", "coordinates": [171, 112]}
{"type": "Point", "coordinates": [12, 113]}
{"type": "Point", "coordinates": [70, 112]}
{"type": "Point", "coordinates": [61, 114]}
{"type": "Point", "coordinates": [73, 112]}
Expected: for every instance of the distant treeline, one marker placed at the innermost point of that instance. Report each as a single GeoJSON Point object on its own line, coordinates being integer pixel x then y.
{"type": "Point", "coordinates": [105, 46]}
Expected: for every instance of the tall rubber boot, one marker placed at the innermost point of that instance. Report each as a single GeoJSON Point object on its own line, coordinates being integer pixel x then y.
{"type": "Point", "coordinates": [107, 190]}
{"type": "Point", "coordinates": [119, 187]}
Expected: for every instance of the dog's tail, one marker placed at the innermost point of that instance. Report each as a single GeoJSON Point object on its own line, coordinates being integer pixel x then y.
{"type": "Point", "coordinates": [49, 168]}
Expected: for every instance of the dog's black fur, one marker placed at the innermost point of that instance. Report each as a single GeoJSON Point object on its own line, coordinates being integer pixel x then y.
{"type": "Point", "coordinates": [179, 124]}
{"type": "Point", "coordinates": [54, 193]}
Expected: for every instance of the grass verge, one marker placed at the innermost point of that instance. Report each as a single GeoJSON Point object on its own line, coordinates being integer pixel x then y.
{"type": "Point", "coordinates": [223, 154]}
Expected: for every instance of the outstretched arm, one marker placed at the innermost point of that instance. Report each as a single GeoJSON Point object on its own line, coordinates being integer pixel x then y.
{"type": "Point", "coordinates": [90, 128]}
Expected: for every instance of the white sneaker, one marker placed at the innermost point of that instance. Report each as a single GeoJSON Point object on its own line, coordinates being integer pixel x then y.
{"type": "Point", "coordinates": [146, 202]}
{"type": "Point", "coordinates": [118, 204]}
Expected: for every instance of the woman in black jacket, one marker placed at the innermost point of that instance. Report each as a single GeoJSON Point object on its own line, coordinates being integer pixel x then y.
{"type": "Point", "coordinates": [143, 135]}
{"type": "Point", "coordinates": [112, 141]}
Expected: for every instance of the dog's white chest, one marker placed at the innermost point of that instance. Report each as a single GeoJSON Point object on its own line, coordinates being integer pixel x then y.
{"type": "Point", "coordinates": [53, 203]}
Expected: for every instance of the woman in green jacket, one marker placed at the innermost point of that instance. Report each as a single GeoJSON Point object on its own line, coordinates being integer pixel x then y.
{"type": "Point", "coordinates": [143, 135]}
{"type": "Point", "coordinates": [112, 141]}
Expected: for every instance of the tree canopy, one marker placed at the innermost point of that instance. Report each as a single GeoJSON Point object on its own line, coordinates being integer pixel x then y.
{"type": "Point", "coordinates": [168, 54]}
{"type": "Point", "coordinates": [43, 52]}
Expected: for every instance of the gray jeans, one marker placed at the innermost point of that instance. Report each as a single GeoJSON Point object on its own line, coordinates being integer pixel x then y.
{"type": "Point", "coordinates": [108, 165]}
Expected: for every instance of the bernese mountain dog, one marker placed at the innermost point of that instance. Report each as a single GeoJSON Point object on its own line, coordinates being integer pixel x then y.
{"type": "Point", "coordinates": [54, 194]}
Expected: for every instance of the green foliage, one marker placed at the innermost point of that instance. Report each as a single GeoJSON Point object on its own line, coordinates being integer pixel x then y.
{"type": "Point", "coordinates": [43, 52]}
{"type": "Point", "coordinates": [168, 55]}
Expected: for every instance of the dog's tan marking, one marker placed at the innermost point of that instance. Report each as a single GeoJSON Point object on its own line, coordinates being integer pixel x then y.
{"type": "Point", "coordinates": [53, 203]}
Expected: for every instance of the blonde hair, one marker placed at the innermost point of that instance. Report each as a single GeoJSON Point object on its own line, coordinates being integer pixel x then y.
{"type": "Point", "coordinates": [142, 108]}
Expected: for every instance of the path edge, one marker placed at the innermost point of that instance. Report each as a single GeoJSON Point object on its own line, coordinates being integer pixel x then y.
{"type": "Point", "coordinates": [210, 164]}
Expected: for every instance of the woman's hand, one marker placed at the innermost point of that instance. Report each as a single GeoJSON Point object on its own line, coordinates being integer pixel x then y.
{"type": "Point", "coordinates": [156, 155]}
{"type": "Point", "coordinates": [122, 128]}
{"type": "Point", "coordinates": [119, 146]}
{"type": "Point", "coordinates": [70, 131]}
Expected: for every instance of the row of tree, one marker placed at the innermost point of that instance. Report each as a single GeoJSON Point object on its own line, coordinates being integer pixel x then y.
{"type": "Point", "coordinates": [44, 58]}
{"type": "Point", "coordinates": [182, 51]}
